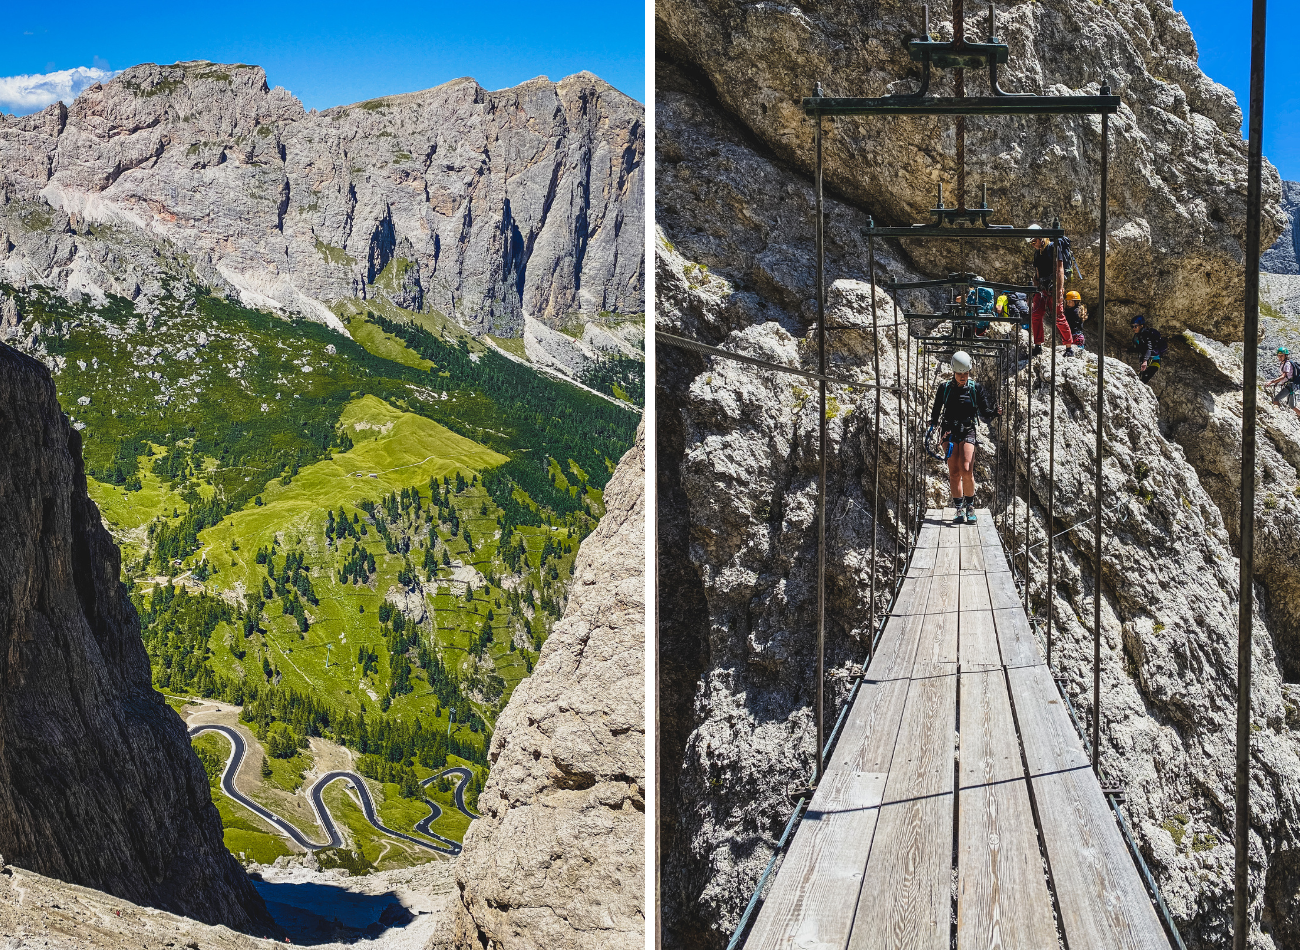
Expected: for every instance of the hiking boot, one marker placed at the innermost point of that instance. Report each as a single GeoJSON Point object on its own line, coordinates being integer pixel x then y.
{"type": "Point", "coordinates": [1038, 350]}
{"type": "Point", "coordinates": [970, 515]}
{"type": "Point", "coordinates": [960, 516]}
{"type": "Point", "coordinates": [1069, 351]}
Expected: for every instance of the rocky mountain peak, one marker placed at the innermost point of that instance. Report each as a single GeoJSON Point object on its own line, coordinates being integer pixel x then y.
{"type": "Point", "coordinates": [483, 205]}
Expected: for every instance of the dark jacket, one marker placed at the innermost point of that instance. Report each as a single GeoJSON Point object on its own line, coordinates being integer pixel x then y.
{"type": "Point", "coordinates": [1045, 267]}
{"type": "Point", "coordinates": [959, 405]}
{"type": "Point", "coordinates": [1149, 342]}
{"type": "Point", "coordinates": [1075, 316]}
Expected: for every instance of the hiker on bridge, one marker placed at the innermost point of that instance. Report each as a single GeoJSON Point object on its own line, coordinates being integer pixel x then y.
{"type": "Point", "coordinates": [1288, 379]}
{"type": "Point", "coordinates": [1049, 269]}
{"type": "Point", "coordinates": [1148, 341]}
{"type": "Point", "coordinates": [957, 403]}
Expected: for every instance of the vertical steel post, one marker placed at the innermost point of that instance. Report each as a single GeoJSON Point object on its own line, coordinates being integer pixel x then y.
{"type": "Point", "coordinates": [1051, 457]}
{"type": "Point", "coordinates": [875, 453]}
{"type": "Point", "coordinates": [821, 453]}
{"type": "Point", "coordinates": [899, 534]}
{"type": "Point", "coordinates": [1245, 616]}
{"type": "Point", "coordinates": [1101, 446]}
{"type": "Point", "coordinates": [1029, 447]}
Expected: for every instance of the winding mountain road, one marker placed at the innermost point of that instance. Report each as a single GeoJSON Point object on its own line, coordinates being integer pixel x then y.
{"type": "Point", "coordinates": [238, 749]}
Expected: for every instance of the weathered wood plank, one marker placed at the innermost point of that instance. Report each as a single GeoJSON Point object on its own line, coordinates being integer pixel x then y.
{"type": "Point", "coordinates": [977, 641]}
{"type": "Point", "coordinates": [897, 649]}
{"type": "Point", "coordinates": [1002, 896]}
{"type": "Point", "coordinates": [912, 594]}
{"type": "Point", "coordinates": [906, 896]}
{"type": "Point", "coordinates": [988, 530]}
{"type": "Point", "coordinates": [947, 561]}
{"type": "Point", "coordinates": [1016, 638]}
{"type": "Point", "coordinates": [922, 559]}
{"type": "Point", "coordinates": [1103, 902]}
{"type": "Point", "coordinates": [950, 533]}
{"type": "Point", "coordinates": [871, 728]}
{"type": "Point", "coordinates": [973, 593]}
{"type": "Point", "coordinates": [811, 900]}
{"type": "Point", "coordinates": [928, 536]}
{"type": "Point", "coordinates": [942, 597]}
{"type": "Point", "coordinates": [972, 556]}
{"type": "Point", "coordinates": [937, 652]}
{"type": "Point", "coordinates": [1002, 591]}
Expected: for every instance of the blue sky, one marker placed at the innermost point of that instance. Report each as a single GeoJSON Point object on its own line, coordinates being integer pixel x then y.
{"type": "Point", "coordinates": [1222, 31]}
{"type": "Point", "coordinates": [324, 52]}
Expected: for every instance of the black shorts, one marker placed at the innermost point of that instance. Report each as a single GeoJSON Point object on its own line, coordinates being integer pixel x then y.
{"type": "Point", "coordinates": [957, 436]}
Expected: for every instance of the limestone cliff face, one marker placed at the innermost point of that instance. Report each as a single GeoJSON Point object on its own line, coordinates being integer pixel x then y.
{"type": "Point", "coordinates": [737, 446]}
{"type": "Point", "coordinates": [1282, 258]}
{"type": "Point", "coordinates": [485, 206]}
{"type": "Point", "coordinates": [98, 784]}
{"type": "Point", "coordinates": [1178, 165]}
{"type": "Point", "coordinates": [557, 860]}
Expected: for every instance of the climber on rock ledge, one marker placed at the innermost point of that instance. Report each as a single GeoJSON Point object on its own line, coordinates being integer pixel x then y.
{"type": "Point", "coordinates": [1288, 379]}
{"type": "Point", "coordinates": [1148, 341]}
{"type": "Point", "coordinates": [957, 403]}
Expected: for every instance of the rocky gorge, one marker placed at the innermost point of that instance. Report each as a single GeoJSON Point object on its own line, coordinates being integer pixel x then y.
{"type": "Point", "coordinates": [737, 447]}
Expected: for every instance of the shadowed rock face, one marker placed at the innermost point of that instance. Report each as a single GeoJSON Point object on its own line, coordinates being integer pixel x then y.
{"type": "Point", "coordinates": [98, 783]}
{"type": "Point", "coordinates": [482, 205]}
{"type": "Point", "coordinates": [557, 860]}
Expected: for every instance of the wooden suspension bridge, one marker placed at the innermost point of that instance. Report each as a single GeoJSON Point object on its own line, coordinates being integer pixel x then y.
{"type": "Point", "coordinates": [959, 808]}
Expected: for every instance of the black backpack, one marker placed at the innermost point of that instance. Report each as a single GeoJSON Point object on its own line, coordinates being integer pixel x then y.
{"type": "Point", "coordinates": [1067, 258]}
{"type": "Point", "coordinates": [1017, 302]}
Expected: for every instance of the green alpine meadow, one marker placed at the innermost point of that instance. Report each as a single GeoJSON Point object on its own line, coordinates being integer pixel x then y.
{"type": "Point", "coordinates": [361, 539]}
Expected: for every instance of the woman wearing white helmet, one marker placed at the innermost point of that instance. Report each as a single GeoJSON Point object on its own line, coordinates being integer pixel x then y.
{"type": "Point", "coordinates": [956, 405]}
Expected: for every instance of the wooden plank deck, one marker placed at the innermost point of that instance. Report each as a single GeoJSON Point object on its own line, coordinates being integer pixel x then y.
{"type": "Point", "coordinates": [1002, 895]}
{"type": "Point", "coordinates": [909, 786]}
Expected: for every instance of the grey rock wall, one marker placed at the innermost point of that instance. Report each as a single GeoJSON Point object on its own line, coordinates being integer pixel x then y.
{"type": "Point", "coordinates": [557, 860]}
{"type": "Point", "coordinates": [98, 783]}
{"type": "Point", "coordinates": [485, 206]}
{"type": "Point", "coordinates": [1282, 257]}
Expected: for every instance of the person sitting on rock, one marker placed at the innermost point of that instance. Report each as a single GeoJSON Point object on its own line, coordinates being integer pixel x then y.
{"type": "Point", "coordinates": [1288, 379]}
{"type": "Point", "coordinates": [1148, 341]}
{"type": "Point", "coordinates": [1075, 314]}
{"type": "Point", "coordinates": [957, 403]}
{"type": "Point", "coordinates": [1049, 276]}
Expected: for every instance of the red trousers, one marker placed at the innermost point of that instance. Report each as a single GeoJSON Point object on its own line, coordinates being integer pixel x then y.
{"type": "Point", "coordinates": [1038, 310]}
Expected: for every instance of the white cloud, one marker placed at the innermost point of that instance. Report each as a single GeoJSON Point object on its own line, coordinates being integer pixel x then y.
{"type": "Point", "coordinates": [24, 94]}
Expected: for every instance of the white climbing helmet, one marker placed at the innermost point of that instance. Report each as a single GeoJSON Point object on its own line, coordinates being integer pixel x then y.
{"type": "Point", "coordinates": [961, 362]}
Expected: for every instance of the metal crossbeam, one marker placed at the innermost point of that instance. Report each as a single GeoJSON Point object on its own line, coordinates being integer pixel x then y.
{"type": "Point", "coordinates": [1004, 232]}
{"type": "Point", "coordinates": [967, 105]}
{"type": "Point", "coordinates": [959, 280]}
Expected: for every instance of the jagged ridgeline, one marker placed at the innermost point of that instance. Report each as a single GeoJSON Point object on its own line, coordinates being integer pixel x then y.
{"type": "Point", "coordinates": [363, 543]}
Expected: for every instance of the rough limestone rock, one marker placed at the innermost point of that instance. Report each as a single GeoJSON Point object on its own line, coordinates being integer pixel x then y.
{"type": "Point", "coordinates": [98, 783]}
{"type": "Point", "coordinates": [1178, 164]}
{"type": "Point", "coordinates": [1284, 256]}
{"type": "Point", "coordinates": [737, 446]}
{"type": "Point", "coordinates": [557, 860]}
{"type": "Point", "coordinates": [485, 206]}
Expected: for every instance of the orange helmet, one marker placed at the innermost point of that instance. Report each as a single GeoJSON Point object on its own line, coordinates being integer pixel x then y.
{"type": "Point", "coordinates": [1073, 296]}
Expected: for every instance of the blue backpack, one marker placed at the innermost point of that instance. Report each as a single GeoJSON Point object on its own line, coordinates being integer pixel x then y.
{"type": "Point", "coordinates": [983, 300]}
